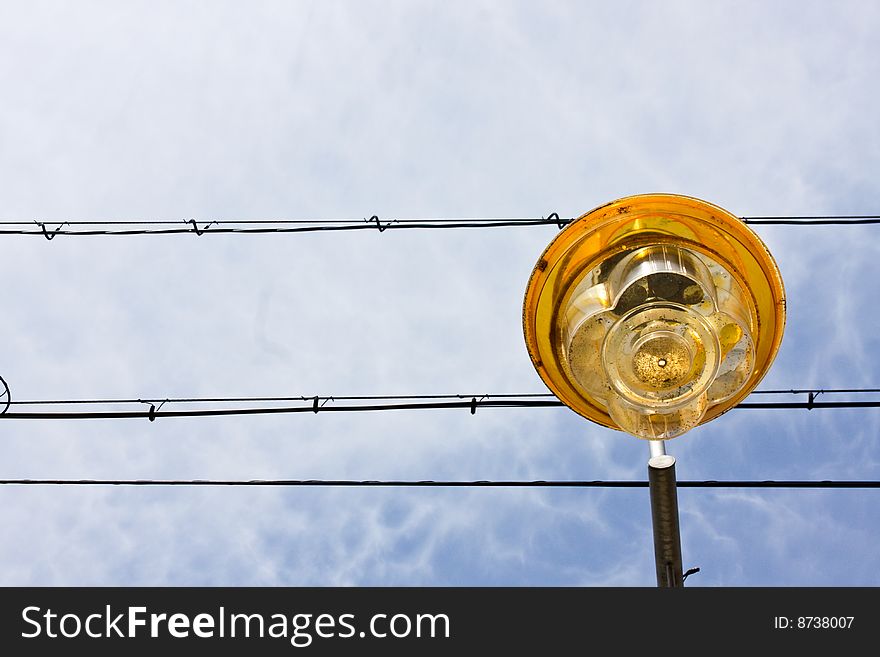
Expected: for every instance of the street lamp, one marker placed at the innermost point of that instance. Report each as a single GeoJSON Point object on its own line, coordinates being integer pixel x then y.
{"type": "Point", "coordinates": [654, 314]}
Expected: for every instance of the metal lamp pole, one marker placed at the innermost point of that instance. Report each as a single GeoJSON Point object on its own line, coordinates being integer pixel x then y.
{"type": "Point", "coordinates": [664, 515]}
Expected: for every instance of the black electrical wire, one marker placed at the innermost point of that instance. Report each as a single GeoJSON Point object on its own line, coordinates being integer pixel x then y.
{"type": "Point", "coordinates": [350, 483]}
{"type": "Point", "coordinates": [277, 410]}
{"type": "Point", "coordinates": [51, 229]}
{"type": "Point", "coordinates": [302, 398]}
{"type": "Point", "coordinates": [279, 226]}
{"type": "Point", "coordinates": [154, 413]}
{"type": "Point", "coordinates": [815, 391]}
{"type": "Point", "coordinates": [372, 222]}
{"type": "Point", "coordinates": [821, 220]}
{"type": "Point", "coordinates": [323, 399]}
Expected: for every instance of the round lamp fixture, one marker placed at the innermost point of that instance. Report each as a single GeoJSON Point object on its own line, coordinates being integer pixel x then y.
{"type": "Point", "coordinates": [654, 313]}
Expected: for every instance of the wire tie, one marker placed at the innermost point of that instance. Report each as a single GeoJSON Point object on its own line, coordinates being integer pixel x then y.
{"type": "Point", "coordinates": [378, 223]}
{"type": "Point", "coordinates": [49, 236]}
{"type": "Point", "coordinates": [153, 408]}
{"type": "Point", "coordinates": [559, 222]}
{"type": "Point", "coordinates": [196, 227]}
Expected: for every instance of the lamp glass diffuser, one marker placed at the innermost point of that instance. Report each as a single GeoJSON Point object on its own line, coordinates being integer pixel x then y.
{"type": "Point", "coordinates": [654, 314]}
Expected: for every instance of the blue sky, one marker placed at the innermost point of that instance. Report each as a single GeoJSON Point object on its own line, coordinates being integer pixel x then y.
{"type": "Point", "coordinates": [172, 110]}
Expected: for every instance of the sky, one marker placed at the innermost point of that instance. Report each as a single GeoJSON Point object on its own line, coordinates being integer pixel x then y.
{"type": "Point", "coordinates": [341, 109]}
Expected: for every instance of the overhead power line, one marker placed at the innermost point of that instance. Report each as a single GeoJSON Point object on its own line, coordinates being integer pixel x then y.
{"type": "Point", "coordinates": [303, 398]}
{"type": "Point", "coordinates": [323, 399]}
{"type": "Point", "coordinates": [820, 220]}
{"type": "Point", "coordinates": [350, 483]}
{"type": "Point", "coordinates": [155, 409]}
{"type": "Point", "coordinates": [50, 229]}
{"type": "Point", "coordinates": [813, 391]}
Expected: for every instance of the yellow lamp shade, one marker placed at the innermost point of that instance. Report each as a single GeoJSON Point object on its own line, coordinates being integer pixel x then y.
{"type": "Point", "coordinates": [654, 313]}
